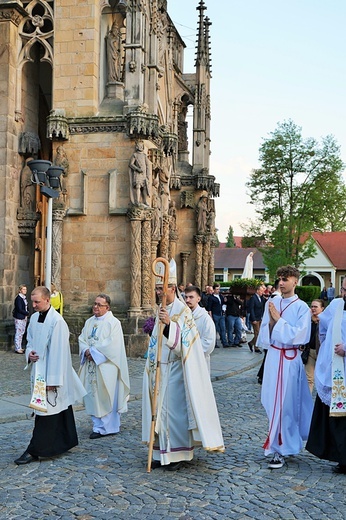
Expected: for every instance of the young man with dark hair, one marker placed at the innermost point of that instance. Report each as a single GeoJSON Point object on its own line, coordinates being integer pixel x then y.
{"type": "Point", "coordinates": [285, 391]}
{"type": "Point", "coordinates": [204, 323]}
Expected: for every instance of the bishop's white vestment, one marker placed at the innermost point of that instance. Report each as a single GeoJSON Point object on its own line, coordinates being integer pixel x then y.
{"type": "Point", "coordinates": [187, 415]}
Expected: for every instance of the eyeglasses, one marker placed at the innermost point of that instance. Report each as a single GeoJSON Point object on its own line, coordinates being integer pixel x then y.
{"type": "Point", "coordinates": [343, 288]}
{"type": "Point", "coordinates": [95, 304]}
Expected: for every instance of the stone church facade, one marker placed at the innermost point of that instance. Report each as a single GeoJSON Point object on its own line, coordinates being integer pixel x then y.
{"type": "Point", "coordinates": [97, 87]}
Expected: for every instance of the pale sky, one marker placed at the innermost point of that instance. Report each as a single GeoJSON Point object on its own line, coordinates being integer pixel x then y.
{"type": "Point", "coordinates": [272, 60]}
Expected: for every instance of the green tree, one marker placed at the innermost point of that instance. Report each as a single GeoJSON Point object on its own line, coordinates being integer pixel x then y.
{"type": "Point", "coordinates": [230, 238]}
{"type": "Point", "coordinates": [297, 189]}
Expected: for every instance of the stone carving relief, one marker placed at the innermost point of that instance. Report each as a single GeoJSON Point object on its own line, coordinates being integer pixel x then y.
{"type": "Point", "coordinates": [173, 214]}
{"type": "Point", "coordinates": [114, 53]}
{"type": "Point", "coordinates": [164, 176]}
{"type": "Point", "coordinates": [205, 215]}
{"type": "Point", "coordinates": [140, 172]}
{"type": "Point", "coordinates": [27, 214]}
{"type": "Point", "coordinates": [57, 125]}
{"type": "Point", "coordinates": [187, 199]}
{"type": "Point", "coordinates": [202, 214]}
{"type": "Point", "coordinates": [61, 159]}
{"type": "Point", "coordinates": [38, 26]}
{"type": "Point", "coordinates": [29, 144]}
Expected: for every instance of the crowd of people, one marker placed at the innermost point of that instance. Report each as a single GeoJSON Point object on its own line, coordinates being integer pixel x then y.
{"type": "Point", "coordinates": [303, 347]}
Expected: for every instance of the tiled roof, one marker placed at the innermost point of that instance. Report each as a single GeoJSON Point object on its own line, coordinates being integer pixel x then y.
{"type": "Point", "coordinates": [234, 258]}
{"type": "Point", "coordinates": [237, 241]}
{"type": "Point", "coordinates": [333, 244]}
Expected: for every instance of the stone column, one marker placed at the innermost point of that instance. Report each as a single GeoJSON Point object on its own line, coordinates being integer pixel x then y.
{"type": "Point", "coordinates": [184, 256]}
{"type": "Point", "coordinates": [205, 263]}
{"type": "Point", "coordinates": [58, 217]}
{"type": "Point", "coordinates": [135, 215]}
{"type": "Point", "coordinates": [164, 244]}
{"type": "Point", "coordinates": [146, 262]}
{"type": "Point", "coordinates": [213, 244]}
{"type": "Point", "coordinates": [173, 239]}
{"type": "Point", "coordinates": [199, 239]}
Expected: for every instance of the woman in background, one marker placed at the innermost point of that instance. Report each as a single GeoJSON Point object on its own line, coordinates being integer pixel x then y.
{"type": "Point", "coordinates": [56, 299]}
{"type": "Point", "coordinates": [20, 314]}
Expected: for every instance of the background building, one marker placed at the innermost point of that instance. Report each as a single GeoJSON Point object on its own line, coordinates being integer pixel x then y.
{"type": "Point", "coordinates": [97, 87]}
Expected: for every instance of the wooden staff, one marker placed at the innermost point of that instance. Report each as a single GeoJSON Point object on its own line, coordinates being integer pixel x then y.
{"type": "Point", "coordinates": [164, 278]}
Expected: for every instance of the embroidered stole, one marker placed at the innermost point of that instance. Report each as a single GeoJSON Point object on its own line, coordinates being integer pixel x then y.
{"type": "Point", "coordinates": [39, 396]}
{"type": "Point", "coordinates": [338, 397]}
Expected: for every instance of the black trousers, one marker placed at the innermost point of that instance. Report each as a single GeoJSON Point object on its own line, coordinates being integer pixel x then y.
{"type": "Point", "coordinates": [327, 436]}
{"type": "Point", "coordinates": [53, 434]}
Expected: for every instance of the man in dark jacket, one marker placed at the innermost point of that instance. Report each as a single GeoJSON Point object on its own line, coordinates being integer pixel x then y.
{"type": "Point", "coordinates": [233, 320]}
{"type": "Point", "coordinates": [214, 307]}
{"type": "Point", "coordinates": [256, 308]}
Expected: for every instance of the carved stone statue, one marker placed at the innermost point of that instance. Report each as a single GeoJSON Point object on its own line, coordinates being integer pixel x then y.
{"type": "Point", "coordinates": [164, 176]}
{"type": "Point", "coordinates": [202, 214]}
{"type": "Point", "coordinates": [173, 213]}
{"type": "Point", "coordinates": [156, 225]}
{"type": "Point", "coordinates": [140, 176]}
{"type": "Point", "coordinates": [62, 160]}
{"type": "Point", "coordinates": [114, 53]}
{"type": "Point", "coordinates": [28, 201]}
{"type": "Point", "coordinates": [211, 221]}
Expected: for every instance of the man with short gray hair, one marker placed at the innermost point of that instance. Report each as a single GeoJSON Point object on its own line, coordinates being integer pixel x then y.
{"type": "Point", "coordinates": [104, 371]}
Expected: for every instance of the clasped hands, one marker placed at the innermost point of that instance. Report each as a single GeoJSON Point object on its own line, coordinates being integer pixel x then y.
{"type": "Point", "coordinates": [88, 355]}
{"type": "Point", "coordinates": [339, 349]}
{"type": "Point", "coordinates": [33, 356]}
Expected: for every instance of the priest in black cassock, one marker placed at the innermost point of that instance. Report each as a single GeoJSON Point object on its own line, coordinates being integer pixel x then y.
{"type": "Point", "coordinates": [55, 384]}
{"type": "Point", "coordinates": [327, 437]}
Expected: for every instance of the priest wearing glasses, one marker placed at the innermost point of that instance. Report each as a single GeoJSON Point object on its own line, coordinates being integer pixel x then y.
{"type": "Point", "coordinates": [104, 371]}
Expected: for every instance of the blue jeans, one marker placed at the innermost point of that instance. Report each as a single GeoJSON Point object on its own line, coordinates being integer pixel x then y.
{"type": "Point", "coordinates": [220, 327]}
{"type": "Point", "coordinates": [247, 321]}
{"type": "Point", "coordinates": [234, 326]}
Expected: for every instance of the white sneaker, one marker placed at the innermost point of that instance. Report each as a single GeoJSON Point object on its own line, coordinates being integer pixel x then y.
{"type": "Point", "coordinates": [277, 461]}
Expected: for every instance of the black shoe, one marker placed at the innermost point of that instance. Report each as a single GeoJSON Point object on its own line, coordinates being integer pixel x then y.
{"type": "Point", "coordinates": [226, 346]}
{"type": "Point", "coordinates": [217, 346]}
{"type": "Point", "coordinates": [174, 466]}
{"type": "Point", "coordinates": [26, 458]}
{"type": "Point", "coordinates": [250, 347]}
{"type": "Point", "coordinates": [258, 351]}
{"type": "Point", "coordinates": [95, 435]}
{"type": "Point", "coordinates": [340, 469]}
{"type": "Point", "coordinates": [155, 464]}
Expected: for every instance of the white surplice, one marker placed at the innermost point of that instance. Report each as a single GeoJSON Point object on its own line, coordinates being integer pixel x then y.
{"type": "Point", "coordinates": [50, 340]}
{"type": "Point", "coordinates": [186, 413]}
{"type": "Point", "coordinates": [285, 391]}
{"type": "Point", "coordinates": [106, 379]}
{"type": "Point", "coordinates": [207, 332]}
{"type": "Point", "coordinates": [324, 362]}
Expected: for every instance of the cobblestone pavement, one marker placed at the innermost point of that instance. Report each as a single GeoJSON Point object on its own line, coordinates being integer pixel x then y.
{"type": "Point", "coordinates": [106, 478]}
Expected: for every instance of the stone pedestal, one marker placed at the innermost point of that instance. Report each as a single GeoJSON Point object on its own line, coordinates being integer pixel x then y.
{"type": "Point", "coordinates": [115, 90]}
